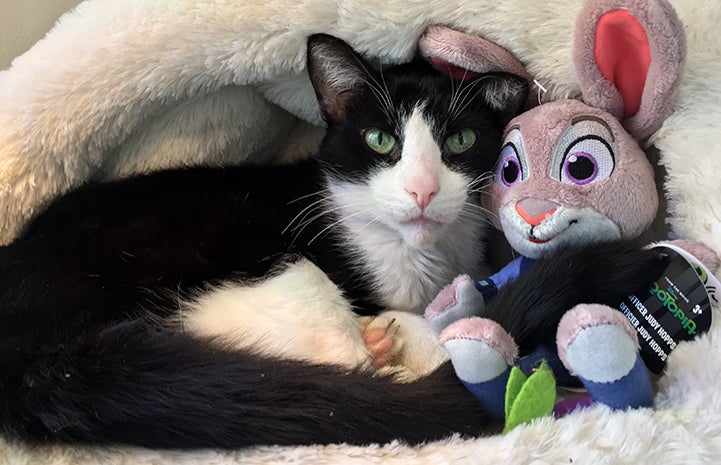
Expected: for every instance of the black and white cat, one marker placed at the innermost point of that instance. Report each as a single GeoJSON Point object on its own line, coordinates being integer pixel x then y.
{"type": "Point", "coordinates": [219, 307]}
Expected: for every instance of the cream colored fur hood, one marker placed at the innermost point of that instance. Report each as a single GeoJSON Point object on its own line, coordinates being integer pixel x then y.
{"type": "Point", "coordinates": [121, 87]}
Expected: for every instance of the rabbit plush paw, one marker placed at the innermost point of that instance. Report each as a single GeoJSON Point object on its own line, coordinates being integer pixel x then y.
{"type": "Point", "coordinates": [599, 345]}
{"type": "Point", "coordinates": [456, 301]}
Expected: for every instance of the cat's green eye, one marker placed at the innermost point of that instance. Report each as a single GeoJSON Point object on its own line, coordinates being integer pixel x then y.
{"type": "Point", "coordinates": [461, 141]}
{"type": "Point", "coordinates": [380, 141]}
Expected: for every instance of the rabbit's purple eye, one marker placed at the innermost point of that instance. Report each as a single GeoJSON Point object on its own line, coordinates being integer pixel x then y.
{"type": "Point", "coordinates": [580, 168]}
{"type": "Point", "coordinates": [508, 170]}
{"type": "Point", "coordinates": [587, 160]}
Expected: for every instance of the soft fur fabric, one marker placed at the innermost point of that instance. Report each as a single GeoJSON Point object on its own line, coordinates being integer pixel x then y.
{"type": "Point", "coordinates": [123, 87]}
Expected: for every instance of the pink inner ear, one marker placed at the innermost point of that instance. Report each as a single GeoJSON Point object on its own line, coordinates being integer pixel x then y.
{"type": "Point", "coordinates": [623, 55]}
{"type": "Point", "coordinates": [454, 71]}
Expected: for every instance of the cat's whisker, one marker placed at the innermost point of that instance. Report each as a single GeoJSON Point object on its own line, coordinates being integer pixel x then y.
{"type": "Point", "coordinates": [304, 213]}
{"type": "Point", "coordinates": [478, 190]}
{"type": "Point", "coordinates": [298, 199]}
{"type": "Point", "coordinates": [300, 217]}
{"type": "Point", "coordinates": [371, 221]}
{"type": "Point", "coordinates": [479, 210]}
{"type": "Point", "coordinates": [386, 91]}
{"type": "Point", "coordinates": [381, 93]}
{"type": "Point", "coordinates": [468, 97]}
{"type": "Point", "coordinates": [473, 207]}
{"type": "Point", "coordinates": [381, 96]}
{"type": "Point", "coordinates": [305, 222]}
{"type": "Point", "coordinates": [455, 93]}
{"type": "Point", "coordinates": [181, 313]}
{"type": "Point", "coordinates": [480, 214]}
{"type": "Point", "coordinates": [471, 91]}
{"type": "Point", "coordinates": [461, 95]}
{"type": "Point", "coordinates": [480, 180]}
{"type": "Point", "coordinates": [383, 100]}
{"type": "Point", "coordinates": [489, 193]}
{"type": "Point", "coordinates": [383, 107]}
{"type": "Point", "coordinates": [476, 221]}
{"type": "Point", "coordinates": [336, 223]}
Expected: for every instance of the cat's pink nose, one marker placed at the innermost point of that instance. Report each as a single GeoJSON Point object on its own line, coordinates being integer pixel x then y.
{"type": "Point", "coordinates": [422, 191]}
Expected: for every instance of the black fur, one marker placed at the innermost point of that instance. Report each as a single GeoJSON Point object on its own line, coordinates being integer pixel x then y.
{"type": "Point", "coordinates": [82, 359]}
{"type": "Point", "coordinates": [531, 307]}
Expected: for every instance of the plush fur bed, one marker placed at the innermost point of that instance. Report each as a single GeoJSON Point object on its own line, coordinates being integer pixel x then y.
{"type": "Point", "coordinates": [127, 86]}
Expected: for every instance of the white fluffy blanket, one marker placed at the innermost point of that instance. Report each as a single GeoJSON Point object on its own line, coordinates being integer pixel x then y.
{"type": "Point", "coordinates": [127, 86]}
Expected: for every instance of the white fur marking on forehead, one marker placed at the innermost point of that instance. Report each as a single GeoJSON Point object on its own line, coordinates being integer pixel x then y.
{"type": "Point", "coordinates": [419, 143]}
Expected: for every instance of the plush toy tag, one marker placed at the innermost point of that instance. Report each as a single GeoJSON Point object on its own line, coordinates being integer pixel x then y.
{"type": "Point", "coordinates": [674, 308]}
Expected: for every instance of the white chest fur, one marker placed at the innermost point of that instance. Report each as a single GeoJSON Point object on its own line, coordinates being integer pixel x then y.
{"type": "Point", "coordinates": [407, 278]}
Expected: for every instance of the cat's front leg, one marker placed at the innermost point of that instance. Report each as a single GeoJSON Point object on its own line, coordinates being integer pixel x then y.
{"type": "Point", "coordinates": [297, 314]}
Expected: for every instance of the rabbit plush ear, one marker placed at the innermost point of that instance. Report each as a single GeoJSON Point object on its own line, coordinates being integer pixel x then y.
{"type": "Point", "coordinates": [464, 56]}
{"type": "Point", "coordinates": [629, 57]}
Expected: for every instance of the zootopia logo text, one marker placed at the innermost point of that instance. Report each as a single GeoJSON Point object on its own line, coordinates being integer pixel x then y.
{"type": "Point", "coordinates": [668, 301]}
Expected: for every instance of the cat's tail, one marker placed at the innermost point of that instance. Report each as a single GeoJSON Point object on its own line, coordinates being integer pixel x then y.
{"type": "Point", "coordinates": [151, 388]}
{"type": "Point", "coordinates": [531, 307]}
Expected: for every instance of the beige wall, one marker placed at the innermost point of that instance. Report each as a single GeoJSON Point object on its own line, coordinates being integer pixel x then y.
{"type": "Point", "coordinates": [23, 22]}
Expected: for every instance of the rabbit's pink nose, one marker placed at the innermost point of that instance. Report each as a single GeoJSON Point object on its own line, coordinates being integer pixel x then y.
{"type": "Point", "coordinates": [534, 211]}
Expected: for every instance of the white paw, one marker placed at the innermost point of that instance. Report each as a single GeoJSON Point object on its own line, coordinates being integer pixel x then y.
{"type": "Point", "coordinates": [420, 353]}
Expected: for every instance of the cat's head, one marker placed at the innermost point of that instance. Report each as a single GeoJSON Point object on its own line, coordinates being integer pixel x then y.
{"type": "Point", "coordinates": [407, 147]}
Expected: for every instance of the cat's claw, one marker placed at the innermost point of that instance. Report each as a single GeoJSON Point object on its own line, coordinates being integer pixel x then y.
{"type": "Point", "coordinates": [380, 335]}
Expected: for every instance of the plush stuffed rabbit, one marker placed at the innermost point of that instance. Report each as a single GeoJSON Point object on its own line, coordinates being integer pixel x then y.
{"type": "Point", "coordinates": [569, 172]}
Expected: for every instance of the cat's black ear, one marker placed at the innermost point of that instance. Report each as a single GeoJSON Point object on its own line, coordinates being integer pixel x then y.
{"type": "Point", "coordinates": [337, 72]}
{"type": "Point", "coordinates": [505, 93]}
